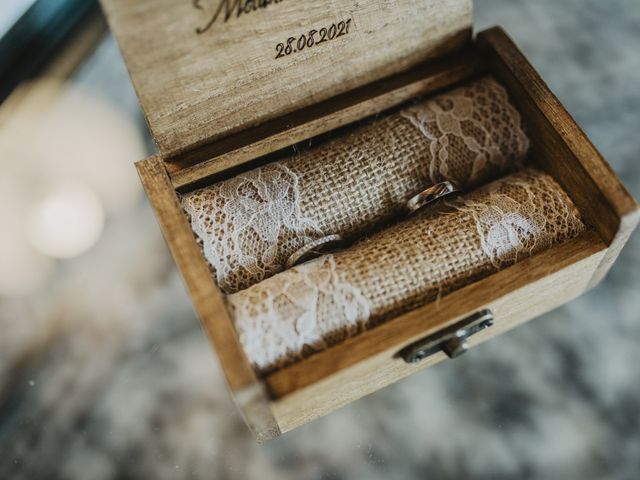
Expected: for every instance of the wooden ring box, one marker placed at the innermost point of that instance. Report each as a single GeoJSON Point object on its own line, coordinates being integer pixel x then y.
{"type": "Point", "coordinates": [217, 100]}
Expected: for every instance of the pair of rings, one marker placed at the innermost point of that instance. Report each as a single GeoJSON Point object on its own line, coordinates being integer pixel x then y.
{"type": "Point", "coordinates": [415, 203]}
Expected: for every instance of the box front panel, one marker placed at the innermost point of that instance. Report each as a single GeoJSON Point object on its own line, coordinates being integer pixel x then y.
{"type": "Point", "coordinates": [372, 361]}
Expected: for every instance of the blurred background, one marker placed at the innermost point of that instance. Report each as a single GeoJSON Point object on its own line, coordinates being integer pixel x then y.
{"type": "Point", "coordinates": [106, 374]}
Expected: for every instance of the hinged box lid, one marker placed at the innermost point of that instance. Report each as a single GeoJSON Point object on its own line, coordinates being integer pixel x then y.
{"type": "Point", "coordinates": [207, 69]}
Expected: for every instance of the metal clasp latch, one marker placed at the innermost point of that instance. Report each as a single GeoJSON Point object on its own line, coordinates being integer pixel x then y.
{"type": "Point", "coordinates": [452, 340]}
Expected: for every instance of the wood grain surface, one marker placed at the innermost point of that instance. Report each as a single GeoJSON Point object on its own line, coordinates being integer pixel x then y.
{"type": "Point", "coordinates": [207, 299]}
{"type": "Point", "coordinates": [196, 88]}
{"type": "Point", "coordinates": [364, 364]}
{"type": "Point", "coordinates": [563, 149]}
{"type": "Point", "coordinates": [325, 381]}
{"type": "Point", "coordinates": [335, 112]}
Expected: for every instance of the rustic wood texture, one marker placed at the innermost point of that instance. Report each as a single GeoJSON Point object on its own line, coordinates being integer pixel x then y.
{"type": "Point", "coordinates": [558, 146]}
{"type": "Point", "coordinates": [563, 149]}
{"type": "Point", "coordinates": [363, 364]}
{"type": "Point", "coordinates": [325, 116]}
{"type": "Point", "coordinates": [196, 88]}
{"type": "Point", "coordinates": [516, 294]}
{"type": "Point", "coordinates": [207, 299]}
{"type": "Point", "coordinates": [369, 362]}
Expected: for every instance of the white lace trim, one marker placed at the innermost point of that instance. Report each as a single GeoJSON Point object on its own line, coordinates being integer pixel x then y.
{"type": "Point", "coordinates": [302, 309]}
{"type": "Point", "coordinates": [312, 306]}
{"type": "Point", "coordinates": [247, 225]}
{"type": "Point", "coordinates": [463, 114]}
{"type": "Point", "coordinates": [512, 220]}
{"type": "Point", "coordinates": [506, 228]}
{"type": "Point", "coordinates": [250, 225]}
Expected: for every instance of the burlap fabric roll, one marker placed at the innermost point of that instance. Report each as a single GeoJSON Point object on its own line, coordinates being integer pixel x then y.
{"type": "Point", "coordinates": [324, 301]}
{"type": "Point", "coordinates": [250, 225]}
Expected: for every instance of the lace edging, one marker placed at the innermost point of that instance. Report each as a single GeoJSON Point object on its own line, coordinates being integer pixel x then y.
{"type": "Point", "coordinates": [307, 308]}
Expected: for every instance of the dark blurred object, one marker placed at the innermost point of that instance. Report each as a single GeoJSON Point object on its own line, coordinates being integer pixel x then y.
{"type": "Point", "coordinates": [36, 35]}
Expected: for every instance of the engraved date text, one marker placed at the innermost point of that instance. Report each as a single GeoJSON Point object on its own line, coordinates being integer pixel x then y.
{"type": "Point", "coordinates": [312, 38]}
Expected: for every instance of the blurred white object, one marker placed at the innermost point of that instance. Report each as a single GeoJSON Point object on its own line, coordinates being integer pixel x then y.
{"type": "Point", "coordinates": [63, 133]}
{"type": "Point", "coordinates": [66, 166]}
{"type": "Point", "coordinates": [66, 222]}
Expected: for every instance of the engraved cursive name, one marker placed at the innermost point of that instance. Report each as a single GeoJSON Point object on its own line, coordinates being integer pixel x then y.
{"type": "Point", "coordinates": [227, 9]}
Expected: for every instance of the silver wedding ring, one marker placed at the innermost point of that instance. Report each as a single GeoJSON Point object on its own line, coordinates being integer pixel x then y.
{"type": "Point", "coordinates": [415, 203]}
{"type": "Point", "coordinates": [430, 195]}
{"type": "Point", "coordinates": [311, 249]}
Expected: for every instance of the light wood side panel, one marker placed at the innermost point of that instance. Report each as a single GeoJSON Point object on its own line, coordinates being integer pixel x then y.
{"type": "Point", "coordinates": [200, 80]}
{"type": "Point", "coordinates": [209, 303]}
{"type": "Point", "coordinates": [561, 147]}
{"type": "Point", "coordinates": [368, 363]}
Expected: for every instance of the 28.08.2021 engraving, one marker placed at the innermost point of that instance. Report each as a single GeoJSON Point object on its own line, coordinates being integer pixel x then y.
{"type": "Point", "coordinates": [312, 38]}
